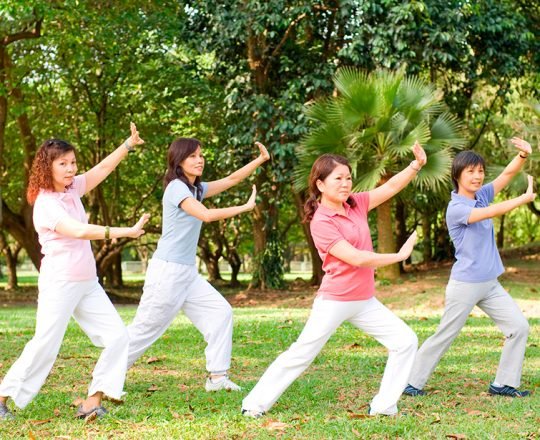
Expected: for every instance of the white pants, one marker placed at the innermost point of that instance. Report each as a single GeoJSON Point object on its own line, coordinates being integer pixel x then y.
{"type": "Point", "coordinates": [97, 317]}
{"type": "Point", "coordinates": [461, 297]}
{"type": "Point", "coordinates": [326, 316]}
{"type": "Point", "coordinates": [169, 288]}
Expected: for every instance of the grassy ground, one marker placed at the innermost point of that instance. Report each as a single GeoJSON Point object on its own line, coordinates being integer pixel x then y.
{"type": "Point", "coordinates": [166, 397]}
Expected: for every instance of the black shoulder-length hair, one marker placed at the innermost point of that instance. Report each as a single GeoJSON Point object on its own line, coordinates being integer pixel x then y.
{"type": "Point", "coordinates": [179, 150]}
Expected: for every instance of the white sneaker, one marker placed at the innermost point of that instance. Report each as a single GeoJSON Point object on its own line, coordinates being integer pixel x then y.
{"type": "Point", "coordinates": [389, 412]}
{"type": "Point", "coordinates": [224, 383]}
{"type": "Point", "coordinates": [253, 413]}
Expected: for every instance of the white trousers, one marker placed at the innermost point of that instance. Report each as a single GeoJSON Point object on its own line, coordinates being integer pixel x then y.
{"type": "Point", "coordinates": [326, 316]}
{"type": "Point", "coordinates": [171, 287]}
{"type": "Point", "coordinates": [461, 297]}
{"type": "Point", "coordinates": [97, 317]}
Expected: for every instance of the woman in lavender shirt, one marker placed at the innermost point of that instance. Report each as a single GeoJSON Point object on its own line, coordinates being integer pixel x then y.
{"type": "Point", "coordinates": [473, 280]}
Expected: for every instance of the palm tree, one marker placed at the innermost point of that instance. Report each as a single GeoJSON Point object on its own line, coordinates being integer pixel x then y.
{"type": "Point", "coordinates": [373, 120]}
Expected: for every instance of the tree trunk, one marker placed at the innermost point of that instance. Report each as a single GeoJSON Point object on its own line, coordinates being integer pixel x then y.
{"type": "Point", "coordinates": [317, 272]}
{"type": "Point", "coordinates": [500, 233]}
{"type": "Point", "coordinates": [235, 262]}
{"type": "Point", "coordinates": [21, 228]}
{"type": "Point", "coordinates": [426, 232]}
{"type": "Point", "coordinates": [116, 271]}
{"type": "Point", "coordinates": [387, 243]}
{"type": "Point", "coordinates": [11, 263]}
{"type": "Point", "coordinates": [401, 228]}
{"type": "Point", "coordinates": [19, 225]}
{"type": "Point", "coordinates": [211, 259]}
{"type": "Point", "coordinates": [212, 267]}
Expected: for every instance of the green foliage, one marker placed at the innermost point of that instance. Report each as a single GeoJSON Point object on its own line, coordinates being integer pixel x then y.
{"type": "Point", "coordinates": [234, 72]}
{"type": "Point", "coordinates": [374, 121]}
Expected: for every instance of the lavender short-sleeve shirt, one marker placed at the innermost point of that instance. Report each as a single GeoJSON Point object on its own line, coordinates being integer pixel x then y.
{"type": "Point", "coordinates": [477, 257]}
{"type": "Point", "coordinates": [180, 231]}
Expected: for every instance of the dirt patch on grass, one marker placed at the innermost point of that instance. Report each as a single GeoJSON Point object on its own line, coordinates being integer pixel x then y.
{"type": "Point", "coordinates": [421, 284]}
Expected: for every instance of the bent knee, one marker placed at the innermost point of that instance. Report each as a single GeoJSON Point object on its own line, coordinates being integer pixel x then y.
{"type": "Point", "coordinates": [408, 341]}
{"type": "Point", "coordinates": [519, 330]}
{"type": "Point", "coordinates": [120, 338]}
{"type": "Point", "coordinates": [226, 312]}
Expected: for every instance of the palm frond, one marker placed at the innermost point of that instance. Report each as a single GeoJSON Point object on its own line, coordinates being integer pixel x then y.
{"type": "Point", "coordinates": [348, 79]}
{"type": "Point", "coordinates": [435, 175]}
{"type": "Point", "coordinates": [324, 111]}
{"type": "Point", "coordinates": [402, 146]}
{"type": "Point", "coordinates": [368, 174]}
{"type": "Point", "coordinates": [446, 131]}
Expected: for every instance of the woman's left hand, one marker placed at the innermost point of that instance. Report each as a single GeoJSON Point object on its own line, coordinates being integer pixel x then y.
{"type": "Point", "coordinates": [419, 154]}
{"type": "Point", "coordinates": [134, 139]}
{"type": "Point", "coordinates": [264, 155]}
{"type": "Point", "coordinates": [521, 145]}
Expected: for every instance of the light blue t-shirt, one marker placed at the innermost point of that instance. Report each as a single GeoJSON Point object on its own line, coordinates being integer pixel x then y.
{"type": "Point", "coordinates": [477, 257]}
{"type": "Point", "coordinates": [180, 231]}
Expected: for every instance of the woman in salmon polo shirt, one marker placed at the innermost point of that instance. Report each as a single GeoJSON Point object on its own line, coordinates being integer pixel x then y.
{"type": "Point", "coordinates": [68, 285]}
{"type": "Point", "coordinates": [340, 230]}
{"type": "Point", "coordinates": [473, 280]}
{"type": "Point", "coordinates": [172, 283]}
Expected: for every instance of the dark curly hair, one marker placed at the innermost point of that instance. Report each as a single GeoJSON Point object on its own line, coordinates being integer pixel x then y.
{"type": "Point", "coordinates": [179, 150]}
{"type": "Point", "coordinates": [321, 169]}
{"type": "Point", "coordinates": [41, 172]}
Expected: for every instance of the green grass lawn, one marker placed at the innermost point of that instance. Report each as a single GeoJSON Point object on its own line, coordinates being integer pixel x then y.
{"type": "Point", "coordinates": [166, 398]}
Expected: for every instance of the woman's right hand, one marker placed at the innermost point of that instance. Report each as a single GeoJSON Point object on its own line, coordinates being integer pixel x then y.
{"type": "Point", "coordinates": [134, 139]}
{"type": "Point", "coordinates": [250, 204]}
{"type": "Point", "coordinates": [407, 248]}
{"type": "Point", "coordinates": [137, 229]}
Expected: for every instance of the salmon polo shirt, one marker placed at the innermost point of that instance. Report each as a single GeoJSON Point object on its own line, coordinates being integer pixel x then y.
{"type": "Point", "coordinates": [342, 281]}
{"type": "Point", "coordinates": [64, 258]}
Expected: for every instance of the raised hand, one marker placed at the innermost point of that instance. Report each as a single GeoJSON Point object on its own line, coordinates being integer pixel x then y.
{"type": "Point", "coordinates": [529, 195]}
{"type": "Point", "coordinates": [137, 229]}
{"type": "Point", "coordinates": [264, 155]}
{"type": "Point", "coordinates": [408, 246]}
{"type": "Point", "coordinates": [419, 154]}
{"type": "Point", "coordinates": [521, 145]}
{"type": "Point", "coordinates": [250, 204]}
{"type": "Point", "coordinates": [134, 139]}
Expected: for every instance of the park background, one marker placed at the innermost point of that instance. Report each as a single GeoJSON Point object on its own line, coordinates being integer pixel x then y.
{"type": "Point", "coordinates": [363, 78]}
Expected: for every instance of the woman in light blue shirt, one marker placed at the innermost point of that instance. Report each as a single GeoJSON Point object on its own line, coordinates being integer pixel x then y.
{"type": "Point", "coordinates": [172, 282]}
{"type": "Point", "coordinates": [473, 280]}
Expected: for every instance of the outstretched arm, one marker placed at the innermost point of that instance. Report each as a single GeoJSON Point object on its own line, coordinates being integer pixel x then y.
{"type": "Point", "coordinates": [70, 227]}
{"type": "Point", "coordinates": [218, 186]}
{"type": "Point", "coordinates": [195, 208]}
{"type": "Point", "coordinates": [394, 185]}
{"type": "Point", "coordinates": [98, 173]}
{"type": "Point", "coordinates": [479, 214]}
{"type": "Point", "coordinates": [349, 254]}
{"type": "Point", "coordinates": [514, 166]}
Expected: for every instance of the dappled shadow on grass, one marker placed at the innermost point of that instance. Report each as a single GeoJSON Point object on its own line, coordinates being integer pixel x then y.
{"type": "Point", "coordinates": [166, 397]}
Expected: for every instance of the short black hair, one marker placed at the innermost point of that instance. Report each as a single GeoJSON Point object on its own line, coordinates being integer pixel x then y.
{"type": "Point", "coordinates": [465, 159]}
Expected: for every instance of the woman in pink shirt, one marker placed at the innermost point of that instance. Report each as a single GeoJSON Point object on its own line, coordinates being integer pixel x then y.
{"type": "Point", "coordinates": [68, 285]}
{"type": "Point", "coordinates": [340, 230]}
